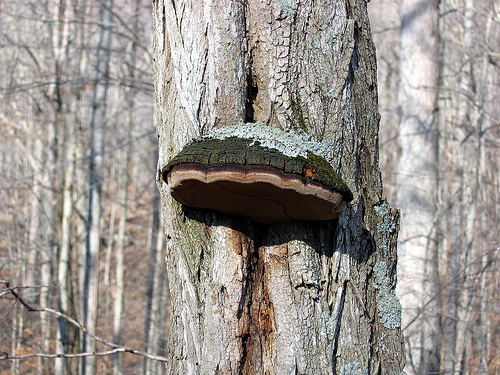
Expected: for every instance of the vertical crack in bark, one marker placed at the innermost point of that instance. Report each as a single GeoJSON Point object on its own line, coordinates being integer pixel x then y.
{"type": "Point", "coordinates": [244, 314]}
{"type": "Point", "coordinates": [338, 314]}
{"type": "Point", "coordinates": [252, 91]}
{"type": "Point", "coordinates": [251, 80]}
{"type": "Point", "coordinates": [244, 353]}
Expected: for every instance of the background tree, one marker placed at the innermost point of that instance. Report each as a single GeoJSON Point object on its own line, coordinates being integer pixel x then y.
{"type": "Point", "coordinates": [466, 262]}
{"type": "Point", "coordinates": [294, 297]}
{"type": "Point", "coordinates": [46, 92]}
{"type": "Point", "coordinates": [46, 103]}
{"type": "Point", "coordinates": [418, 181]}
{"type": "Point", "coordinates": [97, 141]}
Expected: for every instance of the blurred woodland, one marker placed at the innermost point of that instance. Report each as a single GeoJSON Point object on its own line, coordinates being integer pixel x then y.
{"type": "Point", "coordinates": [80, 226]}
{"type": "Point", "coordinates": [76, 124]}
{"type": "Point", "coordinates": [439, 86]}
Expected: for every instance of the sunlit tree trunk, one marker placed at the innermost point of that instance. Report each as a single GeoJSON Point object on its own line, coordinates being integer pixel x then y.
{"type": "Point", "coordinates": [107, 277]}
{"type": "Point", "coordinates": [31, 270]}
{"type": "Point", "coordinates": [64, 258]}
{"type": "Point", "coordinates": [456, 325]}
{"type": "Point", "coordinates": [417, 191]}
{"type": "Point", "coordinates": [287, 298]}
{"type": "Point", "coordinates": [118, 307]}
{"type": "Point", "coordinates": [157, 292]}
{"type": "Point", "coordinates": [59, 33]}
{"type": "Point", "coordinates": [480, 202]}
{"type": "Point", "coordinates": [91, 279]}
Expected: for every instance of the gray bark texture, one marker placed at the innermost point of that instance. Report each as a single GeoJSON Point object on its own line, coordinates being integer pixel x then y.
{"type": "Point", "coordinates": [289, 298]}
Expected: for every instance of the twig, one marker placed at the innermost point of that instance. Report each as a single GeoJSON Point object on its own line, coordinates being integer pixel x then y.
{"type": "Point", "coordinates": [116, 348]}
{"type": "Point", "coordinates": [4, 355]}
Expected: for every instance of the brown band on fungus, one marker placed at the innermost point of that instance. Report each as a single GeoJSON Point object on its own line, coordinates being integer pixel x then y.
{"type": "Point", "coordinates": [240, 176]}
{"type": "Point", "coordinates": [264, 194]}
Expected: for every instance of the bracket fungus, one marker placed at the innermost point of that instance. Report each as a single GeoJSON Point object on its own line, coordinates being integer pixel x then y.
{"type": "Point", "coordinates": [249, 170]}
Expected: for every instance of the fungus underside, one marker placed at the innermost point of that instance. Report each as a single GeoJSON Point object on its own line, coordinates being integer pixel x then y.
{"type": "Point", "coordinates": [246, 152]}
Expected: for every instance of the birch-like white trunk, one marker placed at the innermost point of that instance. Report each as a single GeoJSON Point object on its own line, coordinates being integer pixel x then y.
{"type": "Point", "coordinates": [156, 324]}
{"type": "Point", "coordinates": [315, 298]}
{"type": "Point", "coordinates": [458, 318]}
{"type": "Point", "coordinates": [119, 295]}
{"type": "Point", "coordinates": [61, 365]}
{"type": "Point", "coordinates": [47, 233]}
{"type": "Point", "coordinates": [59, 32]}
{"type": "Point", "coordinates": [91, 279]}
{"type": "Point", "coordinates": [417, 178]}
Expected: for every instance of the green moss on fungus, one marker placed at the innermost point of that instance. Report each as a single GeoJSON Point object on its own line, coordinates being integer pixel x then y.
{"type": "Point", "coordinates": [325, 174]}
{"type": "Point", "coordinates": [248, 152]}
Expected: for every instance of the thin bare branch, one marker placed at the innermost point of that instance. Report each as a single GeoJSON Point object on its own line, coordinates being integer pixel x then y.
{"type": "Point", "coordinates": [116, 348]}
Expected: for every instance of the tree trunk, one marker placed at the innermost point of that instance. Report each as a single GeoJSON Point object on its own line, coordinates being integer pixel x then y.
{"type": "Point", "coordinates": [47, 232]}
{"type": "Point", "coordinates": [61, 364]}
{"type": "Point", "coordinates": [91, 283]}
{"type": "Point", "coordinates": [297, 297]}
{"type": "Point", "coordinates": [118, 306]}
{"type": "Point", "coordinates": [153, 285]}
{"type": "Point", "coordinates": [418, 183]}
{"type": "Point", "coordinates": [119, 301]}
{"type": "Point", "coordinates": [456, 325]}
{"type": "Point", "coordinates": [159, 305]}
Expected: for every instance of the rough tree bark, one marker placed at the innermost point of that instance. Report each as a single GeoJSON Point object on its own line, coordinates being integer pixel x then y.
{"type": "Point", "coordinates": [298, 297]}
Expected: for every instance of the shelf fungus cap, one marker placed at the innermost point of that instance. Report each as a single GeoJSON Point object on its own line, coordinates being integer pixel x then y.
{"type": "Point", "coordinates": [240, 176]}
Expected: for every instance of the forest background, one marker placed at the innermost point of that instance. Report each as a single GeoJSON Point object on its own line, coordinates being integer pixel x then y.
{"type": "Point", "coordinates": [76, 127]}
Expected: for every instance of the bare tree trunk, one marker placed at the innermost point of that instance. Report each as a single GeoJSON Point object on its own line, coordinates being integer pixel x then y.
{"type": "Point", "coordinates": [47, 232]}
{"type": "Point", "coordinates": [106, 282]}
{"type": "Point", "coordinates": [480, 199]}
{"type": "Point", "coordinates": [31, 270]}
{"type": "Point", "coordinates": [91, 280]}
{"type": "Point", "coordinates": [418, 183]}
{"type": "Point", "coordinates": [118, 309]}
{"type": "Point", "coordinates": [64, 258]}
{"type": "Point", "coordinates": [385, 22]}
{"type": "Point", "coordinates": [157, 294]}
{"type": "Point", "coordinates": [59, 32]}
{"type": "Point", "coordinates": [118, 306]}
{"type": "Point", "coordinates": [16, 335]}
{"type": "Point", "coordinates": [458, 318]}
{"type": "Point", "coordinates": [287, 298]}
{"type": "Point", "coordinates": [160, 309]}
{"type": "Point", "coordinates": [152, 244]}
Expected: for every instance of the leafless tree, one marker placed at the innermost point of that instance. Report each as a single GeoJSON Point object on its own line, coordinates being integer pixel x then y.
{"type": "Point", "coordinates": [285, 298]}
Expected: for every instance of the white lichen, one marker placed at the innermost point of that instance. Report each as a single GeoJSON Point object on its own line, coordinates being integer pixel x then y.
{"type": "Point", "coordinates": [388, 304]}
{"type": "Point", "coordinates": [389, 308]}
{"type": "Point", "coordinates": [287, 7]}
{"type": "Point", "coordinates": [386, 224]}
{"type": "Point", "coordinates": [288, 142]}
{"type": "Point", "coordinates": [353, 368]}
